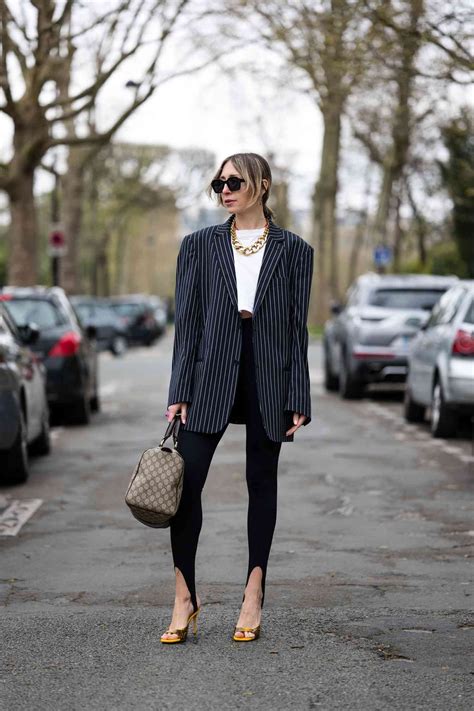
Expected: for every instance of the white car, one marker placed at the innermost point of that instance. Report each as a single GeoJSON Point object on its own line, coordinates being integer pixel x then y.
{"type": "Point", "coordinates": [441, 363]}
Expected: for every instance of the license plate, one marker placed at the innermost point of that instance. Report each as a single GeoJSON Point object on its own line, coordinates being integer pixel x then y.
{"type": "Point", "coordinates": [402, 343]}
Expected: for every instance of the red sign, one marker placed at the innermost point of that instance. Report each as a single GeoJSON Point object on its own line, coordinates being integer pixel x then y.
{"type": "Point", "coordinates": [57, 239]}
{"type": "Point", "coordinates": [57, 242]}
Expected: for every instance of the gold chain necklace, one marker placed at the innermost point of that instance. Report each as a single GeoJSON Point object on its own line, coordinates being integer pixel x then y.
{"type": "Point", "coordinates": [255, 246]}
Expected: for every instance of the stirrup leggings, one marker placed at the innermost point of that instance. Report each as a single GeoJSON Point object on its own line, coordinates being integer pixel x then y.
{"type": "Point", "coordinates": [262, 453]}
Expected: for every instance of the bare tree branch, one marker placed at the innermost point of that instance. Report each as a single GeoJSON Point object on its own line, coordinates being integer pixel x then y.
{"type": "Point", "coordinates": [9, 106]}
{"type": "Point", "coordinates": [369, 145]}
{"type": "Point", "coordinates": [433, 33]}
{"type": "Point", "coordinates": [104, 137]}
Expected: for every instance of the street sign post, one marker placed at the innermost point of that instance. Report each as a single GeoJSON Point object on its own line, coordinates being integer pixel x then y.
{"type": "Point", "coordinates": [382, 256]}
{"type": "Point", "coordinates": [57, 248]}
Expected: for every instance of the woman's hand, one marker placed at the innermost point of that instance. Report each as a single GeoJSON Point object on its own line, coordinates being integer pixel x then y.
{"type": "Point", "coordinates": [181, 407]}
{"type": "Point", "coordinates": [297, 421]}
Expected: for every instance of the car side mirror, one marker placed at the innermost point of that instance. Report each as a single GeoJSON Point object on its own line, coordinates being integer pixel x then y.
{"type": "Point", "coordinates": [29, 333]}
{"type": "Point", "coordinates": [336, 308]}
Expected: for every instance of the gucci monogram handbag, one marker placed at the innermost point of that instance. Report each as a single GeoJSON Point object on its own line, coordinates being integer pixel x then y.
{"type": "Point", "coordinates": [154, 491]}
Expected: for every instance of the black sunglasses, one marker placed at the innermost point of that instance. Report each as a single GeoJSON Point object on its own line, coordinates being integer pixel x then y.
{"type": "Point", "coordinates": [233, 183]}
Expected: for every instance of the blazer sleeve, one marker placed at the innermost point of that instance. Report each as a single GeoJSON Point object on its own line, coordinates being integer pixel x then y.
{"type": "Point", "coordinates": [187, 324]}
{"type": "Point", "coordinates": [299, 395]}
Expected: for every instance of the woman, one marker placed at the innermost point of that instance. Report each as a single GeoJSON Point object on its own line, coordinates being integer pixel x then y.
{"type": "Point", "coordinates": [240, 356]}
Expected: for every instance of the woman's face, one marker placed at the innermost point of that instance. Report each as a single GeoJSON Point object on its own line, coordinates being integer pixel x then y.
{"type": "Point", "coordinates": [239, 201]}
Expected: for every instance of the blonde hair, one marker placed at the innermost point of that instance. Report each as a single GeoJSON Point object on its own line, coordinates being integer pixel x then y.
{"type": "Point", "coordinates": [253, 169]}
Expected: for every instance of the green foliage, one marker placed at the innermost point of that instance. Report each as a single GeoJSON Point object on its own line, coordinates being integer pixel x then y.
{"type": "Point", "coordinates": [445, 259]}
{"type": "Point", "coordinates": [458, 177]}
{"type": "Point", "coordinates": [413, 266]}
{"type": "Point", "coordinates": [315, 331]}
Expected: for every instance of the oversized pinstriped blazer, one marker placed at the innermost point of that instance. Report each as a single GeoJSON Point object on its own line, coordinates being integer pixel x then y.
{"type": "Point", "coordinates": [208, 331]}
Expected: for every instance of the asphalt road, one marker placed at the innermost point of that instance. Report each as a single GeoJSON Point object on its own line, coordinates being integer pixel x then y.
{"type": "Point", "coordinates": [369, 587]}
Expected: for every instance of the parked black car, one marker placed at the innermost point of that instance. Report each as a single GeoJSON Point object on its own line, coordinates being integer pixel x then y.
{"type": "Point", "coordinates": [111, 333]}
{"type": "Point", "coordinates": [161, 313]}
{"type": "Point", "coordinates": [368, 338]}
{"type": "Point", "coordinates": [137, 313]}
{"type": "Point", "coordinates": [24, 412]}
{"type": "Point", "coordinates": [64, 346]}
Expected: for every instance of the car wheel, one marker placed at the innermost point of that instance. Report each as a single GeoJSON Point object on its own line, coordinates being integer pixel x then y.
{"type": "Point", "coordinates": [331, 382]}
{"type": "Point", "coordinates": [411, 410]}
{"type": "Point", "coordinates": [443, 420]}
{"type": "Point", "coordinates": [15, 460]}
{"type": "Point", "coordinates": [349, 387]}
{"type": "Point", "coordinates": [119, 345]}
{"type": "Point", "coordinates": [42, 444]}
{"type": "Point", "coordinates": [80, 411]}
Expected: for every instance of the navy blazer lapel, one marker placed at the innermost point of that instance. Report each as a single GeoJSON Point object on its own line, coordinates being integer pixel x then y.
{"type": "Point", "coordinates": [224, 255]}
{"type": "Point", "coordinates": [273, 252]}
{"type": "Point", "coordinates": [225, 258]}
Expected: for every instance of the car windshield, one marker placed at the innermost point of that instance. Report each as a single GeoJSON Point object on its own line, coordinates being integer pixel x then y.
{"type": "Point", "coordinates": [127, 309]}
{"type": "Point", "coordinates": [405, 298]}
{"type": "Point", "coordinates": [42, 312]}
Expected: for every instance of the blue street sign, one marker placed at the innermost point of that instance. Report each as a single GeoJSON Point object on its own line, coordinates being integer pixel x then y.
{"type": "Point", "coordinates": [382, 255]}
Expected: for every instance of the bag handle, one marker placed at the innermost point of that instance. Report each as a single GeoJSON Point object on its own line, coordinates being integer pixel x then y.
{"type": "Point", "coordinates": [172, 429]}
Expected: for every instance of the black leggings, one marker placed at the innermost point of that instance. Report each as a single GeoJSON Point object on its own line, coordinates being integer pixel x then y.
{"type": "Point", "coordinates": [262, 453]}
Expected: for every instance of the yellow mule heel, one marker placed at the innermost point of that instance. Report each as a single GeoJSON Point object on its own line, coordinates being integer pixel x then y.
{"type": "Point", "coordinates": [182, 633]}
{"type": "Point", "coordinates": [255, 631]}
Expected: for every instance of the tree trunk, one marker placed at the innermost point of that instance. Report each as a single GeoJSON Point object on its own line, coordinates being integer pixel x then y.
{"type": "Point", "coordinates": [280, 204]}
{"type": "Point", "coordinates": [121, 264]}
{"type": "Point", "coordinates": [398, 235]}
{"type": "Point", "coordinates": [23, 248]}
{"type": "Point", "coordinates": [401, 129]}
{"type": "Point", "coordinates": [101, 278]}
{"type": "Point", "coordinates": [324, 218]}
{"type": "Point", "coordinates": [357, 246]}
{"type": "Point", "coordinates": [420, 226]}
{"type": "Point", "coordinates": [72, 212]}
{"type": "Point", "coordinates": [421, 233]}
{"type": "Point", "coordinates": [379, 228]}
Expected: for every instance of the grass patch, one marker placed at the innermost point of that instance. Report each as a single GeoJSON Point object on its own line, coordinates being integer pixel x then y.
{"type": "Point", "coordinates": [315, 331]}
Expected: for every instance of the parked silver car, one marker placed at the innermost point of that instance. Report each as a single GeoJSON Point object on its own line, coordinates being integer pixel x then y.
{"type": "Point", "coordinates": [367, 340]}
{"type": "Point", "coordinates": [441, 363]}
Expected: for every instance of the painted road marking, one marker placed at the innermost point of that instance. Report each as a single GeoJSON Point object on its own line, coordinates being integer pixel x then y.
{"type": "Point", "coordinates": [452, 450]}
{"type": "Point", "coordinates": [15, 513]}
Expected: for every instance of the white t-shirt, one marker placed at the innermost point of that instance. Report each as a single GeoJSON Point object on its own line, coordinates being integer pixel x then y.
{"type": "Point", "coordinates": [247, 268]}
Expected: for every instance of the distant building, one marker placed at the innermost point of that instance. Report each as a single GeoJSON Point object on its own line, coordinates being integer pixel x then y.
{"type": "Point", "coordinates": [148, 263]}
